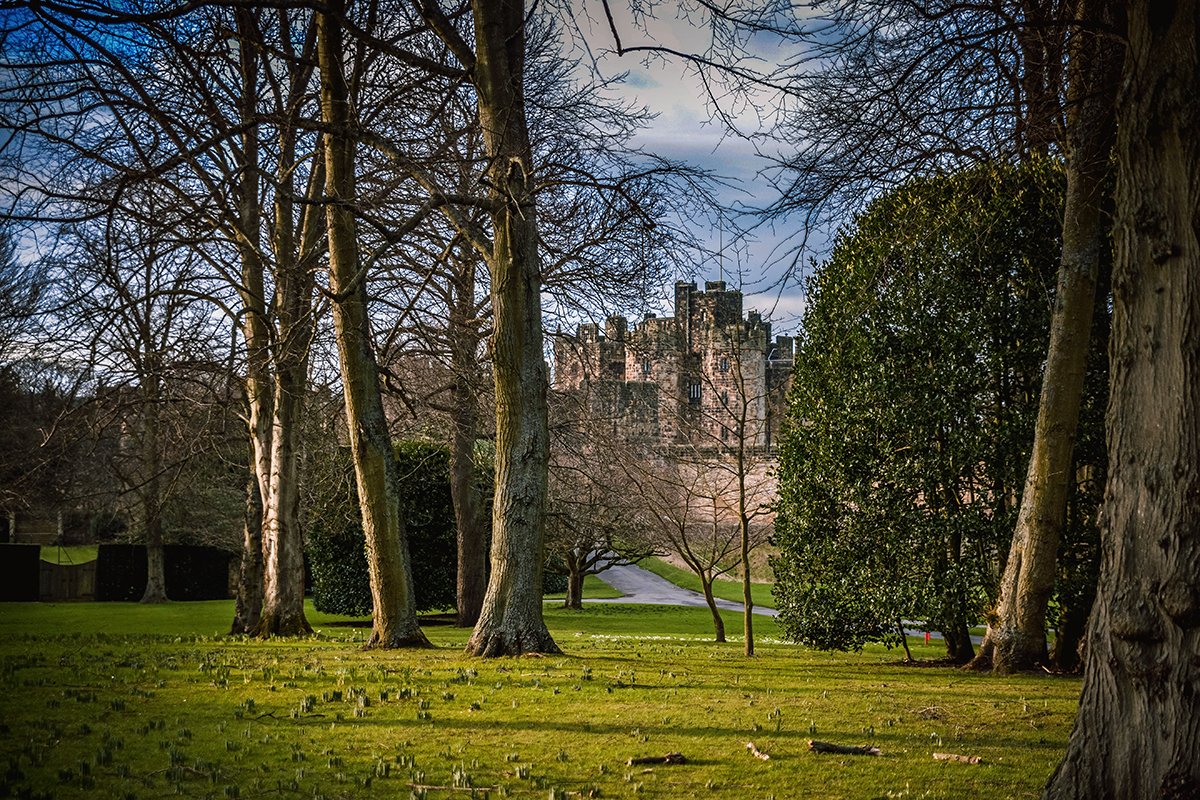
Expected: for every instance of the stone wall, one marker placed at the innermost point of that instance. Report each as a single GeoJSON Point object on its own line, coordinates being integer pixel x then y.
{"type": "Point", "coordinates": [695, 378]}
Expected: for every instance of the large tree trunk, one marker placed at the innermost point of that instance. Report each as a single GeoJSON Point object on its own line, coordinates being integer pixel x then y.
{"type": "Point", "coordinates": [394, 617]}
{"type": "Point", "coordinates": [1016, 636]}
{"type": "Point", "coordinates": [295, 263]}
{"type": "Point", "coordinates": [574, 599]}
{"type": "Point", "coordinates": [283, 612]}
{"type": "Point", "coordinates": [511, 620]}
{"type": "Point", "coordinates": [247, 609]}
{"type": "Point", "coordinates": [1137, 732]}
{"type": "Point", "coordinates": [464, 488]}
{"type": "Point", "coordinates": [283, 544]}
{"type": "Point", "coordinates": [252, 295]}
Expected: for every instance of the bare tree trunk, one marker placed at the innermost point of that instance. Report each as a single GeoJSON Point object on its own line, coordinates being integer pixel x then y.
{"type": "Point", "coordinates": [471, 523]}
{"type": "Point", "coordinates": [156, 581]}
{"type": "Point", "coordinates": [511, 620]}
{"type": "Point", "coordinates": [1137, 732]}
{"type": "Point", "coordinates": [574, 599]}
{"type": "Point", "coordinates": [1016, 636]}
{"type": "Point", "coordinates": [394, 615]}
{"type": "Point", "coordinates": [248, 606]}
{"type": "Point", "coordinates": [252, 292]}
{"type": "Point", "coordinates": [718, 623]}
{"type": "Point", "coordinates": [283, 613]}
{"type": "Point", "coordinates": [464, 491]}
{"type": "Point", "coordinates": [744, 523]}
{"type": "Point", "coordinates": [283, 610]}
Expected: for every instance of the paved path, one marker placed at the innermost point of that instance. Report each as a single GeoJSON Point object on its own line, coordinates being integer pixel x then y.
{"type": "Point", "coordinates": [643, 586]}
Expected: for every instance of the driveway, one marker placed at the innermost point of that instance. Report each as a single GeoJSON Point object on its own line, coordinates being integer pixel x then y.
{"type": "Point", "coordinates": [643, 586]}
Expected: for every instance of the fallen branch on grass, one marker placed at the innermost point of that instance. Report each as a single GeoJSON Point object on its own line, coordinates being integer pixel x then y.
{"type": "Point", "coordinates": [754, 751]}
{"type": "Point", "coordinates": [963, 759]}
{"type": "Point", "coordinates": [669, 758]}
{"type": "Point", "coordinates": [843, 749]}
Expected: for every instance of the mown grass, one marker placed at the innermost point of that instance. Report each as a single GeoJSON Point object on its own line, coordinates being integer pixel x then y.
{"type": "Point", "coordinates": [760, 593]}
{"type": "Point", "coordinates": [124, 701]}
{"type": "Point", "coordinates": [70, 554]}
{"type": "Point", "coordinates": [594, 588]}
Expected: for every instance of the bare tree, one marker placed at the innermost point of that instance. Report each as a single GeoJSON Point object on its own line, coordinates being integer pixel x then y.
{"type": "Point", "coordinates": [202, 104]}
{"type": "Point", "coordinates": [133, 300]}
{"type": "Point", "coordinates": [687, 512]}
{"type": "Point", "coordinates": [495, 63]}
{"type": "Point", "coordinates": [734, 432]}
{"type": "Point", "coordinates": [394, 606]}
{"type": "Point", "coordinates": [595, 518]}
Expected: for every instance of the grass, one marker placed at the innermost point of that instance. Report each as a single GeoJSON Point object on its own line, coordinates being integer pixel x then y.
{"type": "Point", "coordinates": [594, 588]}
{"type": "Point", "coordinates": [125, 701]}
{"type": "Point", "coordinates": [71, 554]}
{"type": "Point", "coordinates": [760, 593]}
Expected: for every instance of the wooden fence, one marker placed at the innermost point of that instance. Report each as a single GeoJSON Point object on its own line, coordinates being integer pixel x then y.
{"type": "Point", "coordinates": [68, 581]}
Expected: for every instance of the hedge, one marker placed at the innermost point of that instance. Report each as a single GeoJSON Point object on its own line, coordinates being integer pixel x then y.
{"type": "Point", "coordinates": [192, 572]}
{"type": "Point", "coordinates": [20, 572]}
{"type": "Point", "coordinates": [337, 546]}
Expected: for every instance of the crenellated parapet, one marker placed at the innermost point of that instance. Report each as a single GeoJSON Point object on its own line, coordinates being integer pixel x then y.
{"type": "Point", "coordinates": [714, 371]}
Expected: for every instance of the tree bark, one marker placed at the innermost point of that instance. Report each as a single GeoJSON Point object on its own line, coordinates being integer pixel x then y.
{"type": "Point", "coordinates": [156, 581]}
{"type": "Point", "coordinates": [252, 294]}
{"type": "Point", "coordinates": [1016, 636]}
{"type": "Point", "coordinates": [574, 599]}
{"type": "Point", "coordinates": [247, 610]}
{"type": "Point", "coordinates": [464, 490]}
{"type": "Point", "coordinates": [511, 620]}
{"type": "Point", "coordinates": [744, 526]}
{"type": "Point", "coordinates": [1137, 732]}
{"type": "Point", "coordinates": [394, 618]}
{"type": "Point", "coordinates": [295, 260]}
{"type": "Point", "coordinates": [283, 609]}
{"type": "Point", "coordinates": [718, 623]}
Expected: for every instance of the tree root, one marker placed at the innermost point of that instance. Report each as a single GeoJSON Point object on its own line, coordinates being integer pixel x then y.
{"type": "Point", "coordinates": [413, 640]}
{"type": "Point", "coordinates": [278, 625]}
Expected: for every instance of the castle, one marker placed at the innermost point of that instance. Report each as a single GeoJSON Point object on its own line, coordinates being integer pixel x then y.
{"type": "Point", "coordinates": [703, 378]}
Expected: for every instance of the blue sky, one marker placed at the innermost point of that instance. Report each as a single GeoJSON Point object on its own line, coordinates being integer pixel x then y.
{"type": "Point", "coordinates": [685, 130]}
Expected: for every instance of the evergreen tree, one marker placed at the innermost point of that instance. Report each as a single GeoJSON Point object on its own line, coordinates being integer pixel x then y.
{"type": "Point", "coordinates": [911, 414]}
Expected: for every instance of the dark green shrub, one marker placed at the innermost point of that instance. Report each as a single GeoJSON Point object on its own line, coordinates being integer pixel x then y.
{"type": "Point", "coordinates": [192, 572]}
{"type": "Point", "coordinates": [337, 547]}
{"type": "Point", "coordinates": [554, 577]}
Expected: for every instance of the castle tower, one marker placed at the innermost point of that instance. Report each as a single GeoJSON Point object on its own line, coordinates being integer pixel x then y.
{"type": "Point", "coordinates": [699, 377]}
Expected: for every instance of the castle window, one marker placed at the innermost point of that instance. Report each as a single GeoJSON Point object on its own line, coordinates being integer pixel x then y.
{"type": "Point", "coordinates": [694, 394]}
{"type": "Point", "coordinates": [645, 367]}
{"type": "Point", "coordinates": [724, 365]}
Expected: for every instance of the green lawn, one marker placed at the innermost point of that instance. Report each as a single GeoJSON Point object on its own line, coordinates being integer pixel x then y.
{"type": "Point", "coordinates": [126, 701]}
{"type": "Point", "coordinates": [760, 593]}
{"type": "Point", "coordinates": [72, 554]}
{"type": "Point", "coordinates": [593, 589]}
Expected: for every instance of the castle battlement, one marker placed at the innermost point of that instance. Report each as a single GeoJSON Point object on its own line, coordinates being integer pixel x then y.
{"type": "Point", "coordinates": [712, 370]}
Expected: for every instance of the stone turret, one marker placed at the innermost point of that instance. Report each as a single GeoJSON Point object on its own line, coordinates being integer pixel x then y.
{"type": "Point", "coordinates": [687, 376]}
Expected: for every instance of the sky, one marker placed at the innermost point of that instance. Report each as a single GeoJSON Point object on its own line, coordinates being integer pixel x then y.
{"type": "Point", "coordinates": [684, 130]}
